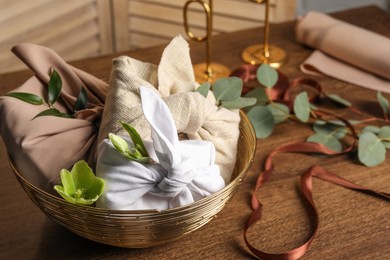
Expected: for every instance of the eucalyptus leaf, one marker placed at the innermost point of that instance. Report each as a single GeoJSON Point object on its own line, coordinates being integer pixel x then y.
{"type": "Point", "coordinates": [260, 95]}
{"type": "Point", "coordinates": [371, 151]}
{"type": "Point", "coordinates": [281, 112]}
{"type": "Point", "coordinates": [330, 129]}
{"type": "Point", "coordinates": [302, 107]}
{"type": "Point", "coordinates": [262, 121]}
{"type": "Point", "coordinates": [239, 103]}
{"type": "Point", "coordinates": [54, 87]}
{"type": "Point", "coordinates": [371, 128]}
{"type": "Point", "coordinates": [80, 185]}
{"type": "Point", "coordinates": [339, 100]}
{"type": "Point", "coordinates": [267, 76]}
{"type": "Point", "coordinates": [341, 123]}
{"type": "Point", "coordinates": [227, 89]}
{"type": "Point", "coordinates": [82, 100]}
{"type": "Point", "coordinates": [204, 89]}
{"type": "Point", "coordinates": [27, 97]}
{"type": "Point", "coordinates": [328, 140]}
{"type": "Point", "coordinates": [53, 112]}
{"type": "Point", "coordinates": [384, 132]}
{"type": "Point", "coordinates": [384, 136]}
{"type": "Point", "coordinates": [383, 102]}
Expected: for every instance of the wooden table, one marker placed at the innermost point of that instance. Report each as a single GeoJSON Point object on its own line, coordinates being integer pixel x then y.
{"type": "Point", "coordinates": [352, 225]}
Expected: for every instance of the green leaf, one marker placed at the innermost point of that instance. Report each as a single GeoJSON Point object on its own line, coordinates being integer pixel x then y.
{"type": "Point", "coordinates": [328, 140]}
{"type": "Point", "coordinates": [267, 76]}
{"type": "Point", "coordinates": [383, 102]}
{"type": "Point", "coordinates": [27, 97]}
{"type": "Point", "coordinates": [239, 103]}
{"type": "Point", "coordinates": [371, 151]}
{"type": "Point", "coordinates": [329, 129]}
{"type": "Point", "coordinates": [371, 128]}
{"type": "Point", "coordinates": [341, 123]}
{"type": "Point", "coordinates": [280, 112]}
{"type": "Point", "coordinates": [302, 107]}
{"type": "Point", "coordinates": [384, 136]}
{"type": "Point", "coordinates": [384, 132]}
{"type": "Point", "coordinates": [61, 191]}
{"type": "Point", "coordinates": [54, 87]}
{"type": "Point", "coordinates": [95, 189]}
{"type": "Point", "coordinates": [53, 112]}
{"type": "Point", "coordinates": [119, 143]}
{"type": "Point", "coordinates": [339, 100]}
{"type": "Point", "coordinates": [67, 181]}
{"type": "Point", "coordinates": [204, 89]}
{"type": "Point", "coordinates": [259, 94]}
{"type": "Point", "coordinates": [136, 138]}
{"type": "Point", "coordinates": [262, 121]}
{"type": "Point", "coordinates": [80, 186]}
{"type": "Point", "coordinates": [83, 176]}
{"type": "Point", "coordinates": [82, 100]}
{"type": "Point", "coordinates": [227, 89]}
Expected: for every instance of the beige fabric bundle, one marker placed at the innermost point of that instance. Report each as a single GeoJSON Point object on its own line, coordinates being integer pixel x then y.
{"type": "Point", "coordinates": [345, 51]}
{"type": "Point", "coordinates": [174, 80]}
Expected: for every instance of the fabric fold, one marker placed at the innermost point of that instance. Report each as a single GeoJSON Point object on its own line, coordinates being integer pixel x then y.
{"type": "Point", "coordinates": [345, 51]}
{"type": "Point", "coordinates": [40, 148]}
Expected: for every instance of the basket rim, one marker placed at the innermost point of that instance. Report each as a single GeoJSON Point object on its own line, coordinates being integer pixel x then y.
{"type": "Point", "coordinates": [193, 205]}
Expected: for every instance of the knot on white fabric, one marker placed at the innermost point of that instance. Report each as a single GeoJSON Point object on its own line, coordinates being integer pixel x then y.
{"type": "Point", "coordinates": [178, 177]}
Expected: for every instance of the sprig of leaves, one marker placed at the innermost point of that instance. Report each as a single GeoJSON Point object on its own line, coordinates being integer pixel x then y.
{"type": "Point", "coordinates": [80, 185]}
{"type": "Point", "coordinates": [138, 153]}
{"type": "Point", "coordinates": [227, 92]}
{"type": "Point", "coordinates": [53, 94]}
{"type": "Point", "coordinates": [372, 141]}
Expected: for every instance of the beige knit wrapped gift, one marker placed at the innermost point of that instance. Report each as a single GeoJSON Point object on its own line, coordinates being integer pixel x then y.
{"type": "Point", "coordinates": [197, 117]}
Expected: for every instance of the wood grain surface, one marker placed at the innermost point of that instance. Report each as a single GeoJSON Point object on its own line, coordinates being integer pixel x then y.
{"type": "Point", "coordinates": [352, 225]}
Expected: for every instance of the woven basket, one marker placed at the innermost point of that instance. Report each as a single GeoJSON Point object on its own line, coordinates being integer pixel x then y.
{"type": "Point", "coordinates": [144, 228]}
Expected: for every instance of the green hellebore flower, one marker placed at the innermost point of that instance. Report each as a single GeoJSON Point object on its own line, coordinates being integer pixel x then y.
{"type": "Point", "coordinates": [80, 185]}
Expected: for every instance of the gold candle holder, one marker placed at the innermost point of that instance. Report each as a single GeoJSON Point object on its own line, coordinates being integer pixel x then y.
{"type": "Point", "coordinates": [264, 53]}
{"type": "Point", "coordinates": [207, 71]}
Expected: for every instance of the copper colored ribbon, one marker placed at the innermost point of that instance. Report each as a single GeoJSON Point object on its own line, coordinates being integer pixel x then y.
{"type": "Point", "coordinates": [306, 186]}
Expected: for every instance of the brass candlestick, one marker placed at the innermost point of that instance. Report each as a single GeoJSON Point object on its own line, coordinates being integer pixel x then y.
{"type": "Point", "coordinates": [207, 71]}
{"type": "Point", "coordinates": [264, 53]}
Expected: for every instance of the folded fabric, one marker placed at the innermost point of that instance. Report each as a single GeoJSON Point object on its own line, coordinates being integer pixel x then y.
{"type": "Point", "coordinates": [40, 148]}
{"type": "Point", "coordinates": [182, 171]}
{"type": "Point", "coordinates": [345, 51]}
{"type": "Point", "coordinates": [197, 117]}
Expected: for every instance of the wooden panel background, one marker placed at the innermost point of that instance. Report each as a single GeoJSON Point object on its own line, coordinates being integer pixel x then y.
{"type": "Point", "coordinates": [144, 16]}
{"type": "Point", "coordinates": [77, 29]}
{"type": "Point", "coordinates": [73, 28]}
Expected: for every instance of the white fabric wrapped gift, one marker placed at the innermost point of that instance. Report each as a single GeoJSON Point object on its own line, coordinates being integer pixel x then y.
{"type": "Point", "coordinates": [183, 171]}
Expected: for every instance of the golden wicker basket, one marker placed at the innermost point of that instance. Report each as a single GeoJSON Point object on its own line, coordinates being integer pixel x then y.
{"type": "Point", "coordinates": [144, 228]}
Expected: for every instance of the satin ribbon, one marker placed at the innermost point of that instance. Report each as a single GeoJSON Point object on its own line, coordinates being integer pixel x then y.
{"type": "Point", "coordinates": [281, 92]}
{"type": "Point", "coordinates": [306, 186]}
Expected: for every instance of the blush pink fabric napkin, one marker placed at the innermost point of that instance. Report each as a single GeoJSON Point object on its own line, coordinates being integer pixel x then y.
{"type": "Point", "coordinates": [345, 51]}
{"type": "Point", "coordinates": [40, 148]}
